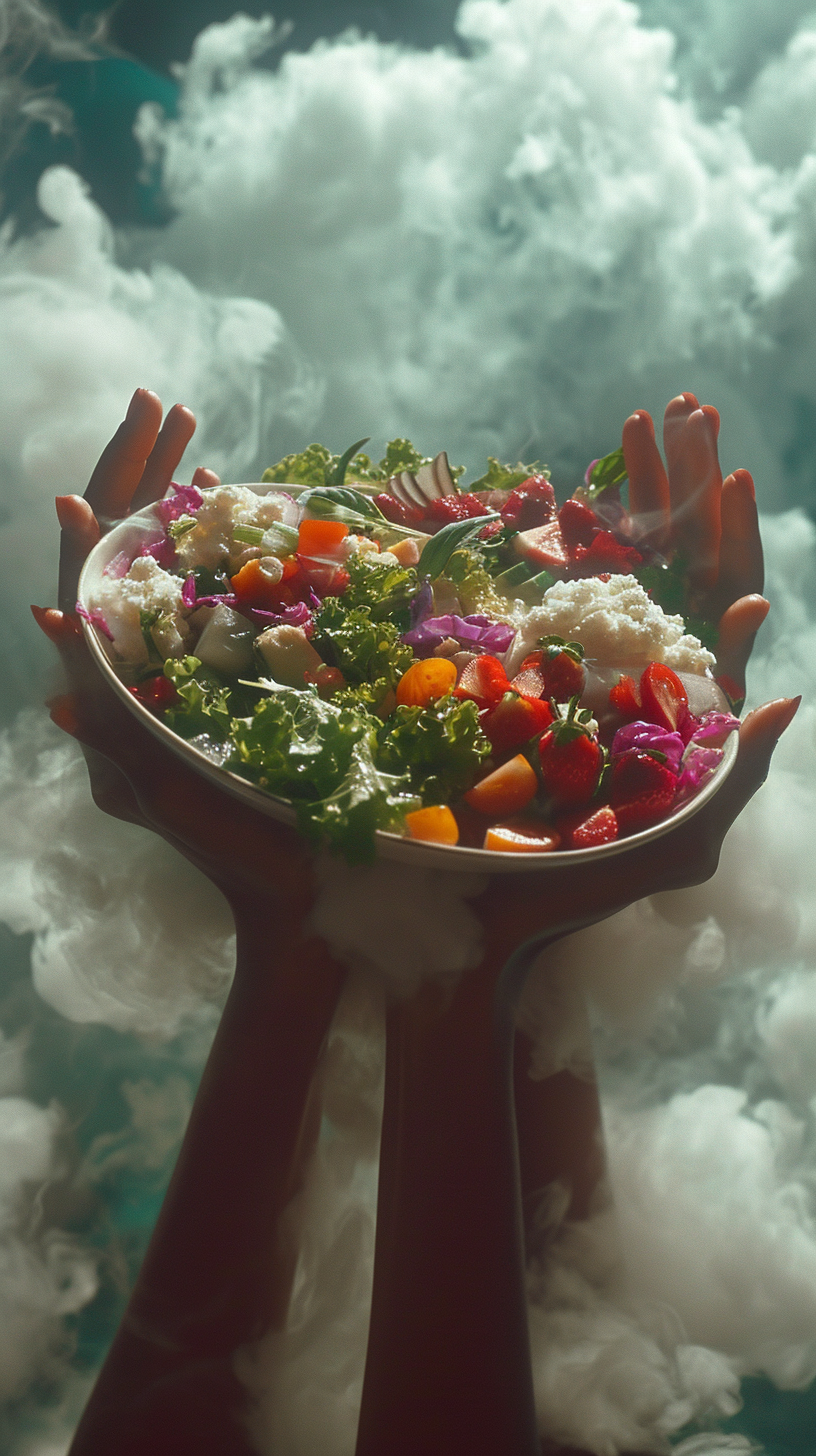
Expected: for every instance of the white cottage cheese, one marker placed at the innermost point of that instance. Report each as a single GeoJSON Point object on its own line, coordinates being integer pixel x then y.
{"type": "Point", "coordinates": [145, 588]}
{"type": "Point", "coordinates": [615, 621]}
{"type": "Point", "coordinates": [225, 507]}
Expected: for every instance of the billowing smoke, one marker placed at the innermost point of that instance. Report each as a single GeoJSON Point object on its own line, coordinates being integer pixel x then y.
{"type": "Point", "coordinates": [501, 248]}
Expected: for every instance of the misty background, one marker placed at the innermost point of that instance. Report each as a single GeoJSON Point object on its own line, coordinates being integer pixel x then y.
{"type": "Point", "coordinates": [496, 228]}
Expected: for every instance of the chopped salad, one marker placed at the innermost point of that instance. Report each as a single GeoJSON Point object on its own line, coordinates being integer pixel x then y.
{"type": "Point", "coordinates": [385, 649]}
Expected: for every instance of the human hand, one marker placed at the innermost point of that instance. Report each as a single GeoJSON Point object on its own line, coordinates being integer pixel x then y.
{"type": "Point", "coordinates": [687, 507]}
{"type": "Point", "coordinates": [133, 776]}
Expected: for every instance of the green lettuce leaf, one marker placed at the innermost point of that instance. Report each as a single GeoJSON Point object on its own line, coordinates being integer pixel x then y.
{"type": "Point", "coordinates": [205, 700]}
{"type": "Point", "coordinates": [366, 799]}
{"type": "Point", "coordinates": [506, 477]}
{"type": "Point", "coordinates": [364, 650]}
{"type": "Point", "coordinates": [440, 748]}
{"type": "Point", "coordinates": [607, 474]}
{"type": "Point", "coordinates": [382, 586]}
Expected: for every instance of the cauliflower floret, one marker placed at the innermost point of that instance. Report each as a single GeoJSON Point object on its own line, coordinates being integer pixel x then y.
{"type": "Point", "coordinates": [147, 587]}
{"type": "Point", "coordinates": [210, 542]}
{"type": "Point", "coordinates": [616, 622]}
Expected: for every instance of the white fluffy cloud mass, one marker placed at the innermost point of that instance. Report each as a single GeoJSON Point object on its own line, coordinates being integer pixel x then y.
{"type": "Point", "coordinates": [503, 247]}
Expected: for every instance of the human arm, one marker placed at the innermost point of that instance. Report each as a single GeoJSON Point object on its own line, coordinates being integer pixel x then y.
{"type": "Point", "coordinates": [217, 1271]}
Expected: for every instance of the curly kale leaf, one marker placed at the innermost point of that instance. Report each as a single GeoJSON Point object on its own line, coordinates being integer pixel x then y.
{"type": "Point", "coordinates": [205, 700]}
{"type": "Point", "coordinates": [382, 586]}
{"type": "Point", "coordinates": [297, 745]}
{"type": "Point", "coordinates": [364, 650]}
{"type": "Point", "coordinates": [366, 799]}
{"type": "Point", "coordinates": [440, 747]}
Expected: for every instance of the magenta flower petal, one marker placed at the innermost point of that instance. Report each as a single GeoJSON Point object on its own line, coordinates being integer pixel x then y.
{"type": "Point", "coordinates": [714, 729]}
{"type": "Point", "coordinates": [95, 619]}
{"type": "Point", "coordinates": [649, 736]}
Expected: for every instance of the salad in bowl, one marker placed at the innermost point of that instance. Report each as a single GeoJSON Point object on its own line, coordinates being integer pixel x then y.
{"type": "Point", "coordinates": [390, 659]}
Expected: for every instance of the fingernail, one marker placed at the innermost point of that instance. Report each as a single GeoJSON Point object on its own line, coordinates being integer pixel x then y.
{"type": "Point", "coordinates": [788, 714]}
{"type": "Point", "coordinates": [64, 511]}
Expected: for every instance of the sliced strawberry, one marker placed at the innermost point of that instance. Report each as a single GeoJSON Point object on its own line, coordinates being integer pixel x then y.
{"type": "Point", "coordinates": [578, 523]}
{"type": "Point", "coordinates": [489, 531]}
{"type": "Point", "coordinates": [515, 720]}
{"type": "Point", "coordinates": [447, 508]}
{"type": "Point", "coordinates": [584, 831]}
{"type": "Point", "coordinates": [642, 790]}
{"type": "Point", "coordinates": [624, 697]}
{"type": "Point", "coordinates": [531, 504]}
{"type": "Point", "coordinates": [531, 680]}
{"type": "Point", "coordinates": [396, 512]}
{"type": "Point", "coordinates": [571, 760]}
{"type": "Point", "coordinates": [605, 553]}
{"type": "Point", "coordinates": [484, 681]}
{"type": "Point", "coordinates": [664, 699]}
{"type": "Point", "coordinates": [544, 547]}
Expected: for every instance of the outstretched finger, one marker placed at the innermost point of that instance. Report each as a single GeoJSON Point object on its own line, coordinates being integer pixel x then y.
{"type": "Point", "coordinates": [737, 629]}
{"type": "Point", "coordinates": [695, 485]}
{"type": "Point", "coordinates": [648, 482]}
{"type": "Point", "coordinates": [79, 535]}
{"type": "Point", "coordinates": [742, 570]}
{"type": "Point", "coordinates": [121, 465]}
{"type": "Point", "coordinates": [174, 437]}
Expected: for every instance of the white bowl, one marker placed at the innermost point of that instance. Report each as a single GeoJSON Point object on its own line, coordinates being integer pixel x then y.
{"type": "Point", "coordinates": [143, 529]}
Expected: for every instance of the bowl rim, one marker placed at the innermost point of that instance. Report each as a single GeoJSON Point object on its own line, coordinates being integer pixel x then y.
{"type": "Point", "coordinates": [143, 524]}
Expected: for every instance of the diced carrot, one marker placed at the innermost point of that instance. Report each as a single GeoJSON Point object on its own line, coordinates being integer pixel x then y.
{"type": "Point", "coordinates": [435, 824]}
{"type": "Point", "coordinates": [506, 790]}
{"type": "Point", "coordinates": [320, 538]}
{"type": "Point", "coordinates": [254, 587]}
{"type": "Point", "coordinates": [521, 837]}
{"type": "Point", "coordinates": [430, 678]}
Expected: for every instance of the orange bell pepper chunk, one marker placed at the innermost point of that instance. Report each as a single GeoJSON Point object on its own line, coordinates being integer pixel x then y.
{"type": "Point", "coordinates": [435, 824]}
{"type": "Point", "coordinates": [506, 790]}
{"type": "Point", "coordinates": [430, 678]}
{"type": "Point", "coordinates": [255, 588]}
{"type": "Point", "coordinates": [521, 838]}
{"type": "Point", "coordinates": [320, 538]}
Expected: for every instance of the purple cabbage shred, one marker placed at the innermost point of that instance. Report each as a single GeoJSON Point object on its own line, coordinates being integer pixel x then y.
{"type": "Point", "coordinates": [648, 736]}
{"type": "Point", "coordinates": [474, 632]}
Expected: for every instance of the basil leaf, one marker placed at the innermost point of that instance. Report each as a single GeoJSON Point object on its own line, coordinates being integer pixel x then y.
{"type": "Point", "coordinates": [328, 499]}
{"type": "Point", "coordinates": [605, 474]}
{"type": "Point", "coordinates": [440, 548]}
{"type": "Point", "coordinates": [337, 475]}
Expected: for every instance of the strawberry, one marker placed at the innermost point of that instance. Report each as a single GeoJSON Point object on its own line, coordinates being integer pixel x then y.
{"type": "Point", "coordinates": [664, 699]}
{"type": "Point", "coordinates": [447, 508]}
{"type": "Point", "coordinates": [515, 720]}
{"type": "Point", "coordinates": [484, 681]}
{"type": "Point", "coordinates": [578, 523]}
{"type": "Point", "coordinates": [555, 670]}
{"type": "Point", "coordinates": [584, 831]}
{"type": "Point", "coordinates": [571, 758]}
{"type": "Point", "coordinates": [624, 697]}
{"type": "Point", "coordinates": [157, 693]}
{"type": "Point", "coordinates": [642, 790]}
{"type": "Point", "coordinates": [531, 504]}
{"type": "Point", "coordinates": [563, 665]}
{"type": "Point", "coordinates": [604, 553]}
{"type": "Point", "coordinates": [396, 512]}
{"type": "Point", "coordinates": [544, 547]}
